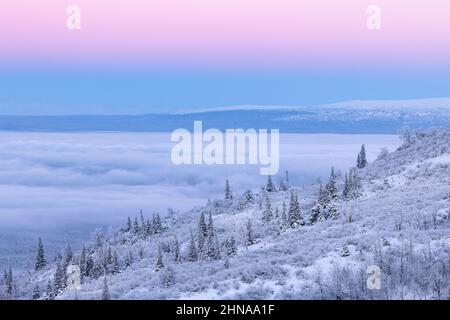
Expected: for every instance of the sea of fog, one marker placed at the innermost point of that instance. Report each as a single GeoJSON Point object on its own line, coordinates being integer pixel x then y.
{"type": "Point", "coordinates": [62, 186]}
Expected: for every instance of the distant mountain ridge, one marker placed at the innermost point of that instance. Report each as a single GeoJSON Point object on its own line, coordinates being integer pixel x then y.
{"type": "Point", "coordinates": [345, 117]}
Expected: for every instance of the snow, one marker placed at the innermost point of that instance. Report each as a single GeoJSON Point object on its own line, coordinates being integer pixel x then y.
{"type": "Point", "coordinates": [401, 226]}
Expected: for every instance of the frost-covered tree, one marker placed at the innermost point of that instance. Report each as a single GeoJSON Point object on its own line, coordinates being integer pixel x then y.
{"type": "Point", "coordinates": [284, 224]}
{"type": "Point", "coordinates": [68, 255]}
{"type": "Point", "coordinates": [83, 263]}
{"type": "Point", "coordinates": [129, 225]}
{"type": "Point", "coordinates": [59, 278]}
{"type": "Point", "coordinates": [212, 250]}
{"type": "Point", "coordinates": [202, 234]}
{"type": "Point", "coordinates": [128, 260]}
{"type": "Point", "coordinates": [168, 277]}
{"type": "Point", "coordinates": [98, 240]}
{"type": "Point", "coordinates": [331, 188]}
{"type": "Point", "coordinates": [324, 208]}
{"type": "Point", "coordinates": [136, 227]}
{"type": "Point", "coordinates": [284, 184]}
{"type": "Point", "coordinates": [249, 197]}
{"type": "Point", "coordinates": [192, 253]}
{"type": "Point", "coordinates": [115, 264]}
{"type": "Point", "coordinates": [36, 293]}
{"type": "Point", "coordinates": [49, 293]}
{"type": "Point", "coordinates": [41, 262]}
{"type": "Point", "coordinates": [156, 224]}
{"type": "Point", "coordinates": [8, 283]}
{"type": "Point", "coordinates": [105, 290]}
{"type": "Point", "coordinates": [267, 213]}
{"type": "Point", "coordinates": [228, 193]}
{"type": "Point", "coordinates": [249, 234]}
{"type": "Point", "coordinates": [159, 265]}
{"type": "Point", "coordinates": [294, 214]}
{"type": "Point", "coordinates": [361, 160]}
{"type": "Point", "coordinates": [230, 246]}
{"type": "Point", "coordinates": [269, 186]}
{"type": "Point", "coordinates": [176, 251]}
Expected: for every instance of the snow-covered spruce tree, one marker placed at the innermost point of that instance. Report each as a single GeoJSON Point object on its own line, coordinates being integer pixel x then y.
{"type": "Point", "coordinates": [269, 186]}
{"type": "Point", "coordinates": [346, 192]}
{"type": "Point", "coordinates": [105, 290]}
{"type": "Point", "coordinates": [159, 265]}
{"type": "Point", "coordinates": [284, 224]}
{"type": "Point", "coordinates": [192, 253]}
{"type": "Point", "coordinates": [331, 188]}
{"type": "Point", "coordinates": [49, 293]}
{"type": "Point", "coordinates": [361, 160]}
{"type": "Point", "coordinates": [115, 264]}
{"type": "Point", "coordinates": [128, 259]}
{"type": "Point", "coordinates": [83, 263]}
{"type": "Point", "coordinates": [98, 240]}
{"type": "Point", "coordinates": [267, 213]}
{"type": "Point", "coordinates": [202, 234]}
{"type": "Point", "coordinates": [41, 262]}
{"type": "Point", "coordinates": [249, 234]}
{"type": "Point", "coordinates": [136, 228]}
{"type": "Point", "coordinates": [168, 277]}
{"type": "Point", "coordinates": [317, 213]}
{"type": "Point", "coordinates": [355, 184]}
{"type": "Point", "coordinates": [8, 284]}
{"type": "Point", "coordinates": [36, 293]}
{"type": "Point", "coordinates": [176, 251]}
{"type": "Point", "coordinates": [324, 208]}
{"type": "Point", "coordinates": [230, 246]}
{"type": "Point", "coordinates": [228, 193]}
{"type": "Point", "coordinates": [294, 215]}
{"type": "Point", "coordinates": [129, 226]}
{"type": "Point", "coordinates": [249, 197]}
{"type": "Point", "coordinates": [156, 223]}
{"type": "Point", "coordinates": [284, 184]}
{"type": "Point", "coordinates": [68, 255]}
{"type": "Point", "coordinates": [59, 278]}
{"type": "Point", "coordinates": [212, 250]}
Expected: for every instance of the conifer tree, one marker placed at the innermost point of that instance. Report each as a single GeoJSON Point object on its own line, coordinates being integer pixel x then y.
{"type": "Point", "coordinates": [228, 193]}
{"type": "Point", "coordinates": [115, 264]}
{"type": "Point", "coordinates": [105, 290]}
{"type": "Point", "coordinates": [68, 255]}
{"type": "Point", "coordinates": [294, 215]}
{"type": "Point", "coordinates": [159, 260]}
{"type": "Point", "coordinates": [267, 213]}
{"type": "Point", "coordinates": [193, 253]}
{"type": "Point", "coordinates": [83, 263]}
{"type": "Point", "coordinates": [284, 225]}
{"type": "Point", "coordinates": [9, 283]}
{"type": "Point", "coordinates": [331, 185]}
{"type": "Point", "coordinates": [36, 293]}
{"type": "Point", "coordinates": [230, 246]}
{"type": "Point", "coordinates": [176, 251]}
{"type": "Point", "coordinates": [136, 228]}
{"type": "Point", "coordinates": [361, 161]}
{"type": "Point", "coordinates": [202, 234]}
{"type": "Point", "coordinates": [249, 235]}
{"type": "Point", "coordinates": [41, 262]}
{"type": "Point", "coordinates": [59, 278]}
{"type": "Point", "coordinates": [156, 224]}
{"type": "Point", "coordinates": [269, 186]}
{"type": "Point", "coordinates": [129, 225]}
{"type": "Point", "coordinates": [49, 293]}
{"type": "Point", "coordinates": [169, 277]}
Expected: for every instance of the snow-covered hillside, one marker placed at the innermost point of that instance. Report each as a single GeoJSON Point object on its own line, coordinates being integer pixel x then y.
{"type": "Point", "coordinates": [280, 242]}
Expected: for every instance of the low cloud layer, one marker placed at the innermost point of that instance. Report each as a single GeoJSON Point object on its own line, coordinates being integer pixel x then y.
{"type": "Point", "coordinates": [49, 180]}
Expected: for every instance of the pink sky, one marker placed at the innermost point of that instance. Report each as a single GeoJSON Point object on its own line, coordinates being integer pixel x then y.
{"type": "Point", "coordinates": [315, 33]}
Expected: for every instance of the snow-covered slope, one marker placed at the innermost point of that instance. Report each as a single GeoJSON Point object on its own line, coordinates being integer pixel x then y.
{"type": "Point", "coordinates": [399, 223]}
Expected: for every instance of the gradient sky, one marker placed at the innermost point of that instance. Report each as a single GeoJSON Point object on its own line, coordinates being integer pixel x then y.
{"type": "Point", "coordinates": [136, 56]}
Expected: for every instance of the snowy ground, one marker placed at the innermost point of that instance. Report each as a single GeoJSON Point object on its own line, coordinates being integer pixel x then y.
{"type": "Point", "coordinates": [63, 185]}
